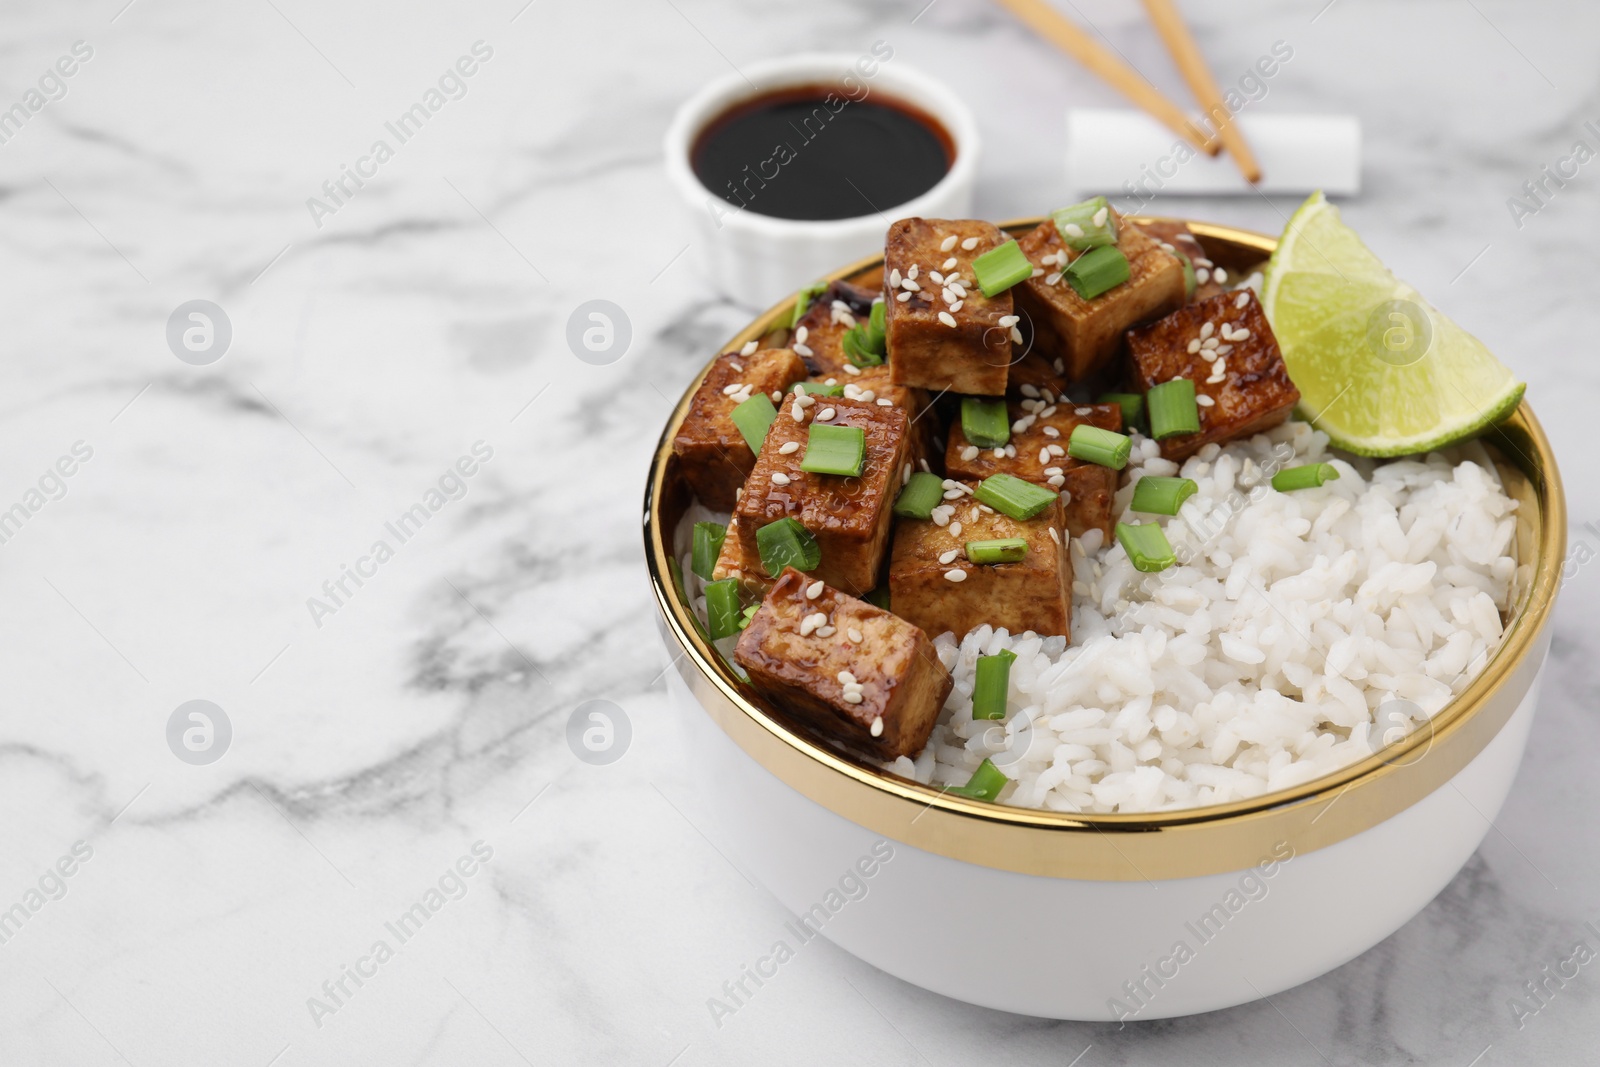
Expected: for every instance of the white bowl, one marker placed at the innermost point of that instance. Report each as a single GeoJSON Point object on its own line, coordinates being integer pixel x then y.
{"type": "Point", "coordinates": [754, 258]}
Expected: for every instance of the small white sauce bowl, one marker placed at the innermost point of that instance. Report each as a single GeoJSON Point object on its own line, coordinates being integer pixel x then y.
{"type": "Point", "coordinates": [754, 258]}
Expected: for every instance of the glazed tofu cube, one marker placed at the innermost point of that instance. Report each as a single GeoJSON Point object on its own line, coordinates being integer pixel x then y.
{"type": "Point", "coordinates": [1174, 236]}
{"type": "Point", "coordinates": [849, 517]}
{"type": "Point", "coordinates": [819, 335]}
{"type": "Point", "coordinates": [943, 338]}
{"type": "Point", "coordinates": [1226, 347]}
{"type": "Point", "coordinates": [843, 669]}
{"type": "Point", "coordinates": [738, 559]}
{"type": "Point", "coordinates": [932, 584]}
{"type": "Point", "coordinates": [875, 385]}
{"type": "Point", "coordinates": [716, 460]}
{"type": "Point", "coordinates": [1037, 453]}
{"type": "Point", "coordinates": [1086, 334]}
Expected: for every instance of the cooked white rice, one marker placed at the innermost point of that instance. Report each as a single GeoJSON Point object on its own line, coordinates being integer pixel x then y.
{"type": "Point", "coordinates": [1298, 633]}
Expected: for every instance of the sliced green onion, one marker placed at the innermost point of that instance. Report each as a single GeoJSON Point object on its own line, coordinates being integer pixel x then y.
{"type": "Point", "coordinates": [722, 608]}
{"type": "Point", "coordinates": [816, 389]}
{"type": "Point", "coordinates": [1097, 271]}
{"type": "Point", "coordinates": [984, 422]}
{"type": "Point", "coordinates": [1190, 282]}
{"type": "Point", "coordinates": [991, 684]}
{"type": "Point", "coordinates": [1172, 409]}
{"type": "Point", "coordinates": [802, 302]}
{"type": "Point", "coordinates": [1108, 448]}
{"type": "Point", "coordinates": [1132, 405]}
{"type": "Point", "coordinates": [879, 597]}
{"type": "Point", "coordinates": [985, 783]}
{"type": "Point", "coordinates": [1308, 476]}
{"type": "Point", "coordinates": [919, 496]}
{"type": "Point", "coordinates": [858, 347]}
{"type": "Point", "coordinates": [835, 450]}
{"type": "Point", "coordinates": [1146, 545]}
{"type": "Point", "coordinates": [1013, 497]}
{"type": "Point", "coordinates": [676, 570]}
{"type": "Point", "coordinates": [748, 614]}
{"type": "Point", "coordinates": [1000, 268]}
{"type": "Point", "coordinates": [877, 324]}
{"type": "Point", "coordinates": [753, 417]}
{"type": "Point", "coordinates": [707, 546]}
{"type": "Point", "coordinates": [1080, 230]}
{"type": "Point", "coordinates": [786, 543]}
{"type": "Point", "coordinates": [1160, 495]}
{"type": "Point", "coordinates": [998, 550]}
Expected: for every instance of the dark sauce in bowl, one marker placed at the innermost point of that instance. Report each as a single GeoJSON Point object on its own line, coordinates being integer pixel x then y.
{"type": "Point", "coordinates": [811, 153]}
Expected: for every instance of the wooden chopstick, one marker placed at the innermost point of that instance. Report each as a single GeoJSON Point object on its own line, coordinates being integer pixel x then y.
{"type": "Point", "coordinates": [1065, 35]}
{"type": "Point", "coordinates": [1192, 65]}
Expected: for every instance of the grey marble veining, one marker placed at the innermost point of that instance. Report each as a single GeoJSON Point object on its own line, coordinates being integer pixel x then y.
{"type": "Point", "coordinates": [374, 746]}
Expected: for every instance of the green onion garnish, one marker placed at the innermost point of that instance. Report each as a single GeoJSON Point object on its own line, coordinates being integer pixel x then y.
{"type": "Point", "coordinates": [919, 496]}
{"type": "Point", "coordinates": [1000, 268]}
{"type": "Point", "coordinates": [786, 543]}
{"type": "Point", "coordinates": [1013, 497]}
{"type": "Point", "coordinates": [1190, 282]}
{"type": "Point", "coordinates": [722, 608]}
{"type": "Point", "coordinates": [1172, 409]}
{"type": "Point", "coordinates": [984, 422]}
{"type": "Point", "coordinates": [1308, 476]}
{"type": "Point", "coordinates": [1132, 405]}
{"type": "Point", "coordinates": [1097, 271]}
{"type": "Point", "coordinates": [858, 348]}
{"type": "Point", "coordinates": [985, 783]}
{"type": "Point", "coordinates": [1146, 545]}
{"type": "Point", "coordinates": [816, 389]}
{"type": "Point", "coordinates": [877, 324]}
{"type": "Point", "coordinates": [1159, 495]}
{"type": "Point", "coordinates": [835, 450]}
{"type": "Point", "coordinates": [748, 614]}
{"type": "Point", "coordinates": [879, 597]}
{"type": "Point", "coordinates": [707, 545]}
{"type": "Point", "coordinates": [752, 418]}
{"type": "Point", "coordinates": [1108, 448]}
{"type": "Point", "coordinates": [1087, 225]}
{"type": "Point", "coordinates": [676, 571]}
{"type": "Point", "coordinates": [998, 550]}
{"type": "Point", "coordinates": [802, 302]}
{"type": "Point", "coordinates": [990, 685]}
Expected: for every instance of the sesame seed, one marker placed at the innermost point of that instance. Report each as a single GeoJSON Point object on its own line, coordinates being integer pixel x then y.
{"type": "Point", "coordinates": [854, 635]}
{"type": "Point", "coordinates": [1060, 365]}
{"type": "Point", "coordinates": [1209, 354]}
{"type": "Point", "coordinates": [1202, 276]}
{"type": "Point", "coordinates": [1030, 391]}
{"type": "Point", "coordinates": [1210, 342]}
{"type": "Point", "coordinates": [1048, 410]}
{"type": "Point", "coordinates": [826, 631]}
{"type": "Point", "coordinates": [796, 412]}
{"type": "Point", "coordinates": [1072, 229]}
{"type": "Point", "coordinates": [1083, 411]}
{"type": "Point", "coordinates": [935, 277]}
{"type": "Point", "coordinates": [1056, 481]}
{"type": "Point", "coordinates": [885, 402]}
{"type": "Point", "coordinates": [999, 453]}
{"type": "Point", "coordinates": [1051, 431]}
{"type": "Point", "coordinates": [1053, 535]}
{"type": "Point", "coordinates": [951, 263]}
{"type": "Point", "coordinates": [1099, 218]}
{"type": "Point", "coordinates": [776, 395]}
{"type": "Point", "coordinates": [924, 465]}
{"type": "Point", "coordinates": [830, 381]}
{"type": "Point", "coordinates": [955, 529]}
{"type": "Point", "coordinates": [1052, 470]}
{"type": "Point", "coordinates": [789, 448]}
{"type": "Point", "coordinates": [1016, 335]}
{"type": "Point", "coordinates": [910, 286]}
{"type": "Point", "coordinates": [801, 350]}
{"type": "Point", "coordinates": [1204, 401]}
{"type": "Point", "coordinates": [851, 369]}
{"type": "Point", "coordinates": [846, 678]}
{"type": "Point", "coordinates": [814, 590]}
{"type": "Point", "coordinates": [955, 574]}
{"type": "Point", "coordinates": [894, 278]}
{"type": "Point", "coordinates": [780, 478]}
{"type": "Point", "coordinates": [852, 696]}
{"type": "Point", "coordinates": [736, 365]}
{"type": "Point", "coordinates": [750, 348]}
{"type": "Point", "coordinates": [1056, 450]}
{"type": "Point", "coordinates": [956, 306]}
{"type": "Point", "coordinates": [825, 414]}
{"type": "Point", "coordinates": [1221, 276]}
{"type": "Point", "coordinates": [729, 390]}
{"type": "Point", "coordinates": [1244, 298]}
{"type": "Point", "coordinates": [1241, 335]}
{"type": "Point", "coordinates": [1206, 330]}
{"type": "Point", "coordinates": [1009, 320]}
{"type": "Point", "coordinates": [1223, 350]}
{"type": "Point", "coordinates": [1036, 272]}
{"type": "Point", "coordinates": [940, 517]}
{"type": "Point", "coordinates": [949, 557]}
{"type": "Point", "coordinates": [805, 400]}
{"type": "Point", "coordinates": [902, 297]}
{"type": "Point", "coordinates": [802, 333]}
{"type": "Point", "coordinates": [947, 318]}
{"type": "Point", "coordinates": [877, 726]}
{"type": "Point", "coordinates": [970, 243]}
{"type": "Point", "coordinates": [969, 453]}
{"type": "Point", "coordinates": [1044, 454]}
{"type": "Point", "coordinates": [811, 622]}
{"type": "Point", "coordinates": [949, 295]}
{"type": "Point", "coordinates": [952, 494]}
{"type": "Point", "coordinates": [1194, 346]}
{"type": "Point", "coordinates": [912, 272]}
{"type": "Point", "coordinates": [948, 243]}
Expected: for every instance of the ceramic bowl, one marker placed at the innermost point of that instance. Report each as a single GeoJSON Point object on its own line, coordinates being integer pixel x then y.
{"type": "Point", "coordinates": [755, 258]}
{"type": "Point", "coordinates": [1121, 916]}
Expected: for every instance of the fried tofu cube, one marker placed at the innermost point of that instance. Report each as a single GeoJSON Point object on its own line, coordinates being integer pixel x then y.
{"type": "Point", "coordinates": [1086, 334]}
{"type": "Point", "coordinates": [942, 338]}
{"type": "Point", "coordinates": [1037, 453]}
{"type": "Point", "coordinates": [819, 335]}
{"type": "Point", "coordinates": [849, 517]}
{"type": "Point", "coordinates": [716, 460]}
{"type": "Point", "coordinates": [932, 584]}
{"type": "Point", "coordinates": [1240, 381]}
{"type": "Point", "coordinates": [843, 669]}
{"type": "Point", "coordinates": [1174, 235]}
{"type": "Point", "coordinates": [875, 385]}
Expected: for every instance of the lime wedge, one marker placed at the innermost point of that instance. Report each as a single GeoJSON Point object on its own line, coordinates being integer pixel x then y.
{"type": "Point", "coordinates": [1379, 369]}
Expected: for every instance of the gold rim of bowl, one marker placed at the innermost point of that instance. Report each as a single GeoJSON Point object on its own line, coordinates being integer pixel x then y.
{"type": "Point", "coordinates": [1182, 843]}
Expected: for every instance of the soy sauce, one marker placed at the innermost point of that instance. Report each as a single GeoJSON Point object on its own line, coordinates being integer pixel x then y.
{"type": "Point", "coordinates": [811, 153]}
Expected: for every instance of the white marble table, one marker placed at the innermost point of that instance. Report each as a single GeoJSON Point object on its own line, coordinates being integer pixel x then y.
{"type": "Point", "coordinates": [382, 737]}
